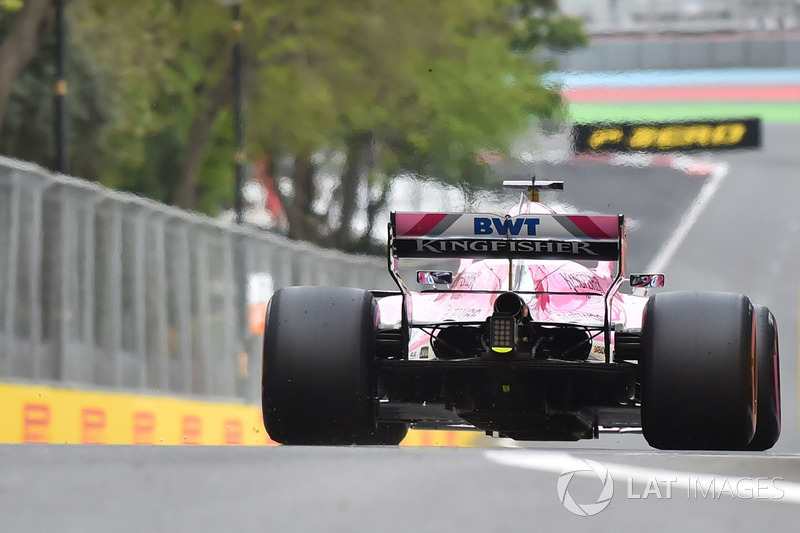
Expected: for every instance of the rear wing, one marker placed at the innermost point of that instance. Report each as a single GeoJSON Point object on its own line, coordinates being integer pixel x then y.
{"type": "Point", "coordinates": [528, 236]}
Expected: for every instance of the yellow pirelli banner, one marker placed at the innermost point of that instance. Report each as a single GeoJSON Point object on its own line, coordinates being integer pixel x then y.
{"type": "Point", "coordinates": [44, 414]}
{"type": "Point", "coordinates": [667, 136]}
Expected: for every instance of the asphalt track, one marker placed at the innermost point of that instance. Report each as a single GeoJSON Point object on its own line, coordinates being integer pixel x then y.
{"type": "Point", "coordinates": [653, 201]}
{"type": "Point", "coordinates": [134, 489]}
{"type": "Point", "coordinates": [744, 240]}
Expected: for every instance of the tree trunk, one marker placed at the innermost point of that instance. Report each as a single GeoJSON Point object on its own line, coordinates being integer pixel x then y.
{"type": "Point", "coordinates": [302, 222]}
{"type": "Point", "coordinates": [185, 191]}
{"type": "Point", "coordinates": [365, 244]}
{"type": "Point", "coordinates": [30, 26]}
{"type": "Point", "coordinates": [358, 165]}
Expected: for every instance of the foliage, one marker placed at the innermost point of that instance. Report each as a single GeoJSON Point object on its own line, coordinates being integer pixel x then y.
{"type": "Point", "coordinates": [365, 90]}
{"type": "Point", "coordinates": [10, 6]}
{"type": "Point", "coordinates": [28, 126]}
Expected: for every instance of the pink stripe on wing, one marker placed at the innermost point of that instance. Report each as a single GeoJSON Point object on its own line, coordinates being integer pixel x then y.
{"type": "Point", "coordinates": [417, 224]}
{"type": "Point", "coordinates": [599, 227]}
{"type": "Point", "coordinates": [405, 221]}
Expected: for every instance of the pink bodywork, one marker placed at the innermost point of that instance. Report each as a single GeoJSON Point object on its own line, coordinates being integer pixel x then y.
{"type": "Point", "coordinates": [554, 276]}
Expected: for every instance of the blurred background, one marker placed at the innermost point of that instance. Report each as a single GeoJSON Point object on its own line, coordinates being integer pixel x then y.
{"type": "Point", "coordinates": [167, 165]}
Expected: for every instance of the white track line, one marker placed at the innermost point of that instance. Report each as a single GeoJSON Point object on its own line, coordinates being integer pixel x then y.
{"type": "Point", "coordinates": [559, 462]}
{"type": "Point", "coordinates": [689, 218]}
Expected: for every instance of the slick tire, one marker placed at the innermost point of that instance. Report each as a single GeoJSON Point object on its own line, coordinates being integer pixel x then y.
{"type": "Point", "coordinates": [768, 419]}
{"type": "Point", "coordinates": [319, 351]}
{"type": "Point", "coordinates": [389, 433]}
{"type": "Point", "coordinates": [698, 375]}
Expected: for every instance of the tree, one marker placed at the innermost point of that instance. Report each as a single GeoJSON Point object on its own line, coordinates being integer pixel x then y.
{"type": "Point", "coordinates": [341, 97]}
{"type": "Point", "coordinates": [29, 24]}
{"type": "Point", "coordinates": [138, 90]}
{"type": "Point", "coordinates": [28, 132]}
{"type": "Point", "coordinates": [414, 87]}
{"type": "Point", "coordinates": [167, 67]}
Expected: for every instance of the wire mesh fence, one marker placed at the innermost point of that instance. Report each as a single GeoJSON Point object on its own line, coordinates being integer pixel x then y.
{"type": "Point", "coordinates": [104, 289]}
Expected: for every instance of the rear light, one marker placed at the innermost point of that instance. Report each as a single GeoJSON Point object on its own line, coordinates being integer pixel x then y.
{"type": "Point", "coordinates": [502, 333]}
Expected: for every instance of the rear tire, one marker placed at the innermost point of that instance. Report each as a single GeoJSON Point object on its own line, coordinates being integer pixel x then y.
{"type": "Point", "coordinates": [389, 433]}
{"type": "Point", "coordinates": [697, 376]}
{"type": "Point", "coordinates": [319, 351]}
{"type": "Point", "coordinates": [768, 421]}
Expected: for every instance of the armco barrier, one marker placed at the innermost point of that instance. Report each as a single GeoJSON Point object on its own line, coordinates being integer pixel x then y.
{"type": "Point", "coordinates": [43, 414]}
{"type": "Point", "coordinates": [113, 291]}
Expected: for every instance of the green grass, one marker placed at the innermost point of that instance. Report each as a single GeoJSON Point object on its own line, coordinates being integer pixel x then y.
{"type": "Point", "coordinates": [769, 112]}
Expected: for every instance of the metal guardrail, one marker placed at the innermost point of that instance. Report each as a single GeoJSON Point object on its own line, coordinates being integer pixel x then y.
{"type": "Point", "coordinates": [744, 51]}
{"type": "Point", "coordinates": [619, 17]}
{"type": "Point", "coordinates": [104, 289]}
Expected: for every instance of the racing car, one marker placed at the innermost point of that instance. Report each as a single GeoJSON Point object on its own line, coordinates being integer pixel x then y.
{"type": "Point", "coordinates": [522, 332]}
